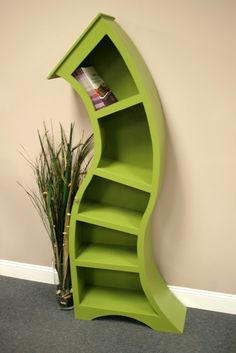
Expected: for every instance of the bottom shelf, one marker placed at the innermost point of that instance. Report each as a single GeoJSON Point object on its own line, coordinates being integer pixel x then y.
{"type": "Point", "coordinates": [115, 301]}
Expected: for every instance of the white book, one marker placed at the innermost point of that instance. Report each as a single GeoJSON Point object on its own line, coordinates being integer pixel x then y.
{"type": "Point", "coordinates": [92, 76]}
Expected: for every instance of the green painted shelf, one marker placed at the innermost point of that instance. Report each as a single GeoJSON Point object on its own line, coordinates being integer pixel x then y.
{"type": "Point", "coordinates": [111, 257]}
{"type": "Point", "coordinates": [108, 216]}
{"type": "Point", "coordinates": [120, 105]}
{"type": "Point", "coordinates": [114, 300]}
{"type": "Point", "coordinates": [131, 175]}
{"type": "Point", "coordinates": [112, 263]}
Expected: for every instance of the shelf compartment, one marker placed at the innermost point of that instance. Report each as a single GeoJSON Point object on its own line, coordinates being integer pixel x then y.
{"type": "Point", "coordinates": [115, 292]}
{"type": "Point", "coordinates": [125, 137]}
{"type": "Point", "coordinates": [115, 194]}
{"type": "Point", "coordinates": [108, 216]}
{"type": "Point", "coordinates": [108, 257]}
{"type": "Point", "coordinates": [114, 301]}
{"type": "Point", "coordinates": [92, 234]}
{"type": "Point", "coordinates": [108, 278]}
{"type": "Point", "coordinates": [87, 234]}
{"type": "Point", "coordinates": [127, 174]}
{"type": "Point", "coordinates": [113, 205]}
{"type": "Point", "coordinates": [109, 64]}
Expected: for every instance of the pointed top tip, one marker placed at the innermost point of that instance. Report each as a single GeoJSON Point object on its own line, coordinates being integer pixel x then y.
{"type": "Point", "coordinates": [100, 15]}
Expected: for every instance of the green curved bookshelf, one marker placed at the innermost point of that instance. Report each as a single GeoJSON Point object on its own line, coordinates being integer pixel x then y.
{"type": "Point", "coordinates": [112, 264]}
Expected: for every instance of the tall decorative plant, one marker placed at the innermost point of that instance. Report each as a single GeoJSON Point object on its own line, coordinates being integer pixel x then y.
{"type": "Point", "coordinates": [59, 171]}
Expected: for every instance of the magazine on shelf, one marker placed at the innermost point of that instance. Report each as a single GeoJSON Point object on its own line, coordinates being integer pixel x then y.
{"type": "Point", "coordinates": [98, 92]}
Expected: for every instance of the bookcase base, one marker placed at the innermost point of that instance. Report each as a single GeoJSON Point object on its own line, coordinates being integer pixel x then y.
{"type": "Point", "coordinates": [155, 322]}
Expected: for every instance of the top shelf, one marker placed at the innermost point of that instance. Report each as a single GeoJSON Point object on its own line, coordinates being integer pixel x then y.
{"type": "Point", "coordinates": [111, 67]}
{"type": "Point", "coordinates": [117, 106]}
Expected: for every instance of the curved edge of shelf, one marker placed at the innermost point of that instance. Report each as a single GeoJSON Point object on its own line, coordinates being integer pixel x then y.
{"type": "Point", "coordinates": [160, 297]}
{"type": "Point", "coordinates": [162, 300]}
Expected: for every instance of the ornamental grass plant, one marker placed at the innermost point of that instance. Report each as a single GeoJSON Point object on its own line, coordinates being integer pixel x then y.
{"type": "Point", "coordinates": [59, 170]}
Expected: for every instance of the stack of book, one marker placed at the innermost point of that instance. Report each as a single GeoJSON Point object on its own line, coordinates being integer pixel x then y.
{"type": "Point", "coordinates": [98, 92]}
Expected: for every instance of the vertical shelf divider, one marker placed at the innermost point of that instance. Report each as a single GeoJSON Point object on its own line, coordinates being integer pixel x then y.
{"type": "Point", "coordinates": [112, 264]}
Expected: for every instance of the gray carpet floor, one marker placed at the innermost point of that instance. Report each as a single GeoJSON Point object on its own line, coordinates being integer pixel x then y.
{"type": "Point", "coordinates": [32, 322]}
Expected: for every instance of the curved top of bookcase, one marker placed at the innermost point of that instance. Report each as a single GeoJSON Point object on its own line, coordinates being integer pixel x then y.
{"type": "Point", "coordinates": [53, 73]}
{"type": "Point", "coordinates": [104, 33]}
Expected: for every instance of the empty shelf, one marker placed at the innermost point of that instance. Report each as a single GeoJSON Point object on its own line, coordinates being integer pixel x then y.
{"type": "Point", "coordinates": [123, 258]}
{"type": "Point", "coordinates": [124, 173]}
{"type": "Point", "coordinates": [109, 216]}
{"type": "Point", "coordinates": [116, 301]}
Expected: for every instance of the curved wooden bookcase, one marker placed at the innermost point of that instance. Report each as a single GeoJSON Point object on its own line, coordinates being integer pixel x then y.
{"type": "Point", "coordinates": [112, 264]}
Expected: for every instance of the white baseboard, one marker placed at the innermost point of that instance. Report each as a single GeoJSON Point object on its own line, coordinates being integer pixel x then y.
{"type": "Point", "coordinates": [192, 298]}
{"type": "Point", "coordinates": [29, 272]}
{"type": "Point", "coordinates": [206, 300]}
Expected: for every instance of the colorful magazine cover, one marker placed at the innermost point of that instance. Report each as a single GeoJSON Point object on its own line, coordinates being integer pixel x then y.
{"type": "Point", "coordinates": [98, 92]}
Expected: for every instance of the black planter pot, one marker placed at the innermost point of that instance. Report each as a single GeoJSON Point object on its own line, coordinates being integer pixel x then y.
{"type": "Point", "coordinates": [65, 299]}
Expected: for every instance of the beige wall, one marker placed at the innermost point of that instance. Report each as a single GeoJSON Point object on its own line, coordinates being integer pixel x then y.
{"type": "Point", "coordinates": [190, 49]}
